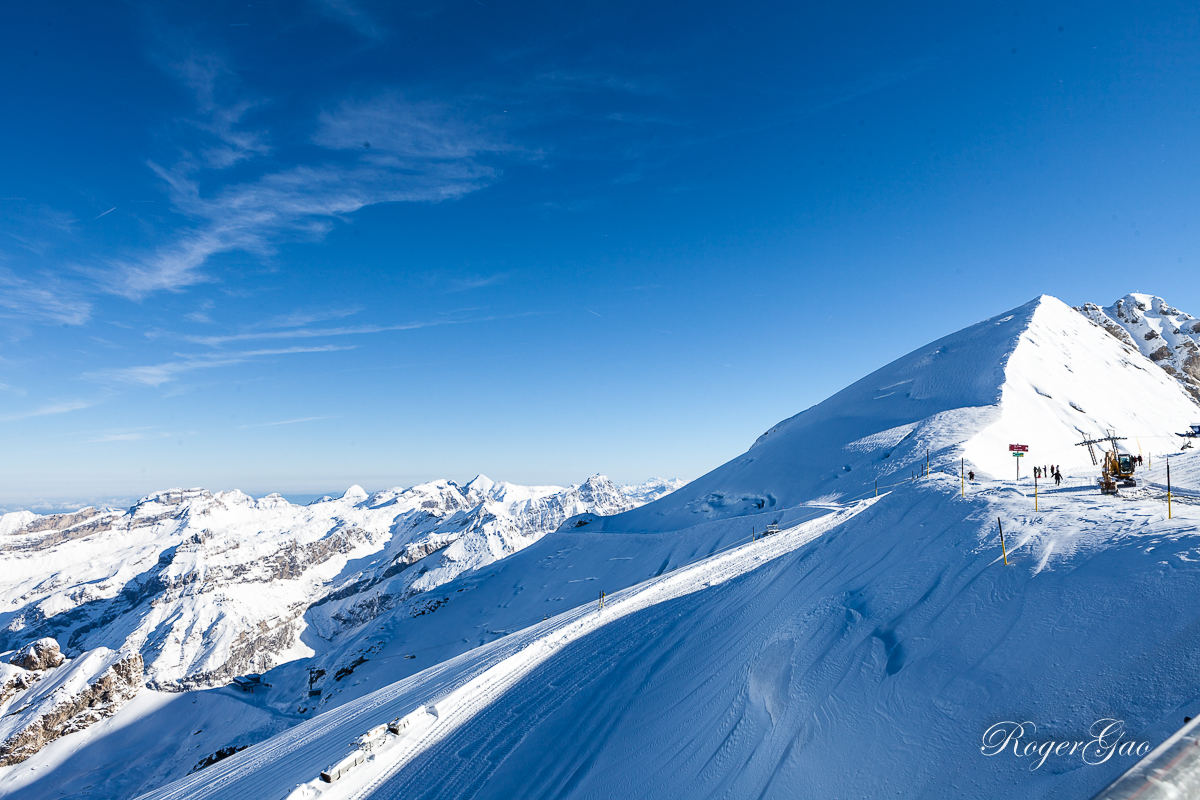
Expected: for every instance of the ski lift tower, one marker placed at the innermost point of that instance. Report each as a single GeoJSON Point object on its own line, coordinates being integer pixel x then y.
{"type": "Point", "coordinates": [1112, 440]}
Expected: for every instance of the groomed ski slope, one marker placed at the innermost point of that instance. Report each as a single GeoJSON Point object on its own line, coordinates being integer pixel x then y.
{"type": "Point", "coordinates": [860, 655]}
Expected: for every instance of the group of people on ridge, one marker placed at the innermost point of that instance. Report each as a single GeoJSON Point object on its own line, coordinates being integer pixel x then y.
{"type": "Point", "coordinates": [1048, 472]}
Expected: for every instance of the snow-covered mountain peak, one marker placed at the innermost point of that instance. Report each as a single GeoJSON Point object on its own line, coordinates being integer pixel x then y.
{"type": "Point", "coordinates": [354, 495]}
{"type": "Point", "coordinates": [479, 486]}
{"type": "Point", "coordinates": [1040, 374]}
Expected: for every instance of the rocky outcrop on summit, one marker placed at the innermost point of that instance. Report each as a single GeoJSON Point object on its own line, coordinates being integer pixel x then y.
{"type": "Point", "coordinates": [1164, 334]}
{"type": "Point", "coordinates": [70, 698]}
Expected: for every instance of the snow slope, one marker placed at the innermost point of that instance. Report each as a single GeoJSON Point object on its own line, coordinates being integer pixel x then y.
{"type": "Point", "coordinates": [1041, 375]}
{"type": "Point", "coordinates": [863, 652]}
{"type": "Point", "coordinates": [859, 655]}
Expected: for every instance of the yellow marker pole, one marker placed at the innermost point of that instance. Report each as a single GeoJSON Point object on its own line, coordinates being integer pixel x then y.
{"type": "Point", "coordinates": [1035, 493]}
{"type": "Point", "coordinates": [962, 476]}
{"type": "Point", "coordinates": [877, 487]}
{"type": "Point", "coordinates": [1168, 488]}
{"type": "Point", "coordinates": [1002, 549]}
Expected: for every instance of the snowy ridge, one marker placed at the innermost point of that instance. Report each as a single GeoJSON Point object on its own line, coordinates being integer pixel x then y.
{"type": "Point", "coordinates": [1040, 374]}
{"type": "Point", "coordinates": [892, 620]}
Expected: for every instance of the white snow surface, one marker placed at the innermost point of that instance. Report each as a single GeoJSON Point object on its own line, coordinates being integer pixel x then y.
{"type": "Point", "coordinates": [861, 652]}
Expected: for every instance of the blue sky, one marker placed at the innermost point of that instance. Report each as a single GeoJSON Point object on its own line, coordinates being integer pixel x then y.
{"type": "Point", "coordinates": [290, 247]}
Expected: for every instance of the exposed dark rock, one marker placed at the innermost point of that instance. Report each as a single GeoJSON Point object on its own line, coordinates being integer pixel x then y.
{"type": "Point", "coordinates": [42, 654]}
{"type": "Point", "coordinates": [102, 698]}
{"type": "Point", "coordinates": [220, 755]}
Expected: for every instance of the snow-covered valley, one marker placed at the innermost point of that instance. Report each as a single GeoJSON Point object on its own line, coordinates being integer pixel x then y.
{"type": "Point", "coordinates": [860, 651]}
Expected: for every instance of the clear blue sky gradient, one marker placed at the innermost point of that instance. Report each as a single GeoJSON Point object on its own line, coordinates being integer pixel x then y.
{"type": "Point", "coordinates": [290, 247]}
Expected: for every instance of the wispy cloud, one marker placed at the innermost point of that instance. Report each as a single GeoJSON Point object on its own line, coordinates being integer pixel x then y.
{"type": "Point", "coordinates": [131, 434]}
{"type": "Point", "coordinates": [352, 15]}
{"type": "Point", "coordinates": [158, 374]}
{"type": "Point", "coordinates": [33, 227]}
{"type": "Point", "coordinates": [384, 150]}
{"type": "Point", "coordinates": [311, 333]}
{"type": "Point", "coordinates": [211, 80]}
{"type": "Point", "coordinates": [46, 410]}
{"type": "Point", "coordinates": [475, 282]}
{"type": "Point", "coordinates": [116, 437]}
{"type": "Point", "coordinates": [297, 319]}
{"type": "Point", "coordinates": [46, 299]}
{"type": "Point", "coordinates": [287, 422]}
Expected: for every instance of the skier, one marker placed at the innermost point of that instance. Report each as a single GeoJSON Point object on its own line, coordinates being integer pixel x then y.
{"type": "Point", "coordinates": [1057, 478]}
{"type": "Point", "coordinates": [971, 475]}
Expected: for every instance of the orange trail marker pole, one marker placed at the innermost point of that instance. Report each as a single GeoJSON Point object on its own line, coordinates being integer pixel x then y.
{"type": "Point", "coordinates": [1168, 488]}
{"type": "Point", "coordinates": [1003, 551]}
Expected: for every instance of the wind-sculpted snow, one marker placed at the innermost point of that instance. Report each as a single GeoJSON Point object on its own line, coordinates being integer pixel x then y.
{"type": "Point", "coordinates": [207, 586]}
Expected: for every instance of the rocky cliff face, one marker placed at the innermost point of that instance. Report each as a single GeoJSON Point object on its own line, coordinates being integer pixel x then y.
{"type": "Point", "coordinates": [66, 698]}
{"type": "Point", "coordinates": [1164, 334]}
{"type": "Point", "coordinates": [206, 586]}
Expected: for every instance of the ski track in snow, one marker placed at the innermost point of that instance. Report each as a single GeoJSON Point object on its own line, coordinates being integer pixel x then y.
{"type": "Point", "coordinates": [462, 687]}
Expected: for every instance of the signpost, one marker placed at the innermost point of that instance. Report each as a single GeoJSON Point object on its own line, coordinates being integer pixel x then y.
{"type": "Point", "coordinates": [1018, 451]}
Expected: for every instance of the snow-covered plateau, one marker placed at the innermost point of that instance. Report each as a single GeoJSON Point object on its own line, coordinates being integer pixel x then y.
{"type": "Point", "coordinates": [830, 614]}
